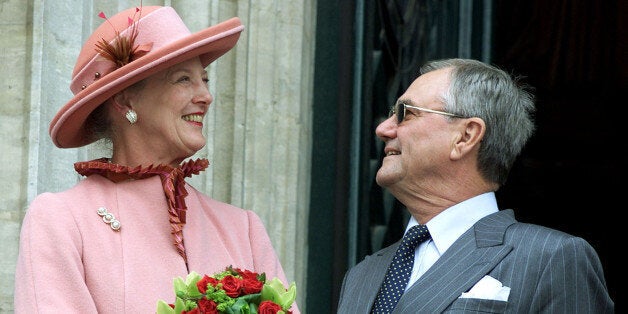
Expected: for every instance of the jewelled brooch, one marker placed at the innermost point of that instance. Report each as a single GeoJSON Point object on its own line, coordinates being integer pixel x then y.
{"type": "Point", "coordinates": [109, 218]}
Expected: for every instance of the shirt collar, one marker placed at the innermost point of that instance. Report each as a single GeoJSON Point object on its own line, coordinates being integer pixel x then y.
{"type": "Point", "coordinates": [446, 227]}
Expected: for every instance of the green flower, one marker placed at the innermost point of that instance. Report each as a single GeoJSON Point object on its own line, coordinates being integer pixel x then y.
{"type": "Point", "coordinates": [187, 295]}
{"type": "Point", "coordinates": [275, 291]}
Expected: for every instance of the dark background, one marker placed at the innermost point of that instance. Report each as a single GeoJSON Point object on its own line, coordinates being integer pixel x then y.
{"type": "Point", "coordinates": [570, 176]}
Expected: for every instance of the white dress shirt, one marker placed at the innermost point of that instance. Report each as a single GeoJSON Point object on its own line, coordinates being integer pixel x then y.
{"type": "Point", "coordinates": [446, 227]}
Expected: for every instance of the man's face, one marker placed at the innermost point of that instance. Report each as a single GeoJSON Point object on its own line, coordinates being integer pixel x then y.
{"type": "Point", "coordinates": [417, 148]}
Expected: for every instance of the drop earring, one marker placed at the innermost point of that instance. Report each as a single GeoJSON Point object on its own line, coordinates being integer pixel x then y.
{"type": "Point", "coordinates": [131, 115]}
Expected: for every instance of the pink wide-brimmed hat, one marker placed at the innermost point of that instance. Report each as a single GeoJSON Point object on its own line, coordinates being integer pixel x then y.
{"type": "Point", "coordinates": [161, 40]}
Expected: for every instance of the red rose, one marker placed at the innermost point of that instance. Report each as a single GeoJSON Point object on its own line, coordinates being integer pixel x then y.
{"type": "Point", "coordinates": [207, 306]}
{"type": "Point", "coordinates": [251, 285]}
{"type": "Point", "coordinates": [202, 284]}
{"type": "Point", "coordinates": [231, 285]}
{"type": "Point", "coordinates": [246, 273]}
{"type": "Point", "coordinates": [192, 311]}
{"type": "Point", "coordinates": [268, 307]}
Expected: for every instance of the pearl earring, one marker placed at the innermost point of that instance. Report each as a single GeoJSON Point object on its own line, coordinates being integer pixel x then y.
{"type": "Point", "coordinates": [131, 115]}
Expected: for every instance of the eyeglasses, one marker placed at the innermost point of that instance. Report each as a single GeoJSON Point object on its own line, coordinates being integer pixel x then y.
{"type": "Point", "coordinates": [399, 110]}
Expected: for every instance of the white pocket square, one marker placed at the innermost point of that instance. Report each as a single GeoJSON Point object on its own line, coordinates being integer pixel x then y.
{"type": "Point", "coordinates": [488, 288]}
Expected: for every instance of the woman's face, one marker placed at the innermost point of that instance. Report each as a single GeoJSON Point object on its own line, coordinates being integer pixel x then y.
{"type": "Point", "coordinates": [170, 106]}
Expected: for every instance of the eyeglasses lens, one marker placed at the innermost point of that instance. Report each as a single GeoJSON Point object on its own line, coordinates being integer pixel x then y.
{"type": "Point", "coordinates": [399, 110]}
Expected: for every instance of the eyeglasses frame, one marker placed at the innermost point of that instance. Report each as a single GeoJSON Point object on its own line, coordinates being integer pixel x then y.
{"type": "Point", "coordinates": [395, 110]}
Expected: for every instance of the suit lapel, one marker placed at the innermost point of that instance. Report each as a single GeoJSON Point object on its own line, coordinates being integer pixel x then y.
{"type": "Point", "coordinates": [376, 271]}
{"type": "Point", "coordinates": [362, 282]}
{"type": "Point", "coordinates": [471, 257]}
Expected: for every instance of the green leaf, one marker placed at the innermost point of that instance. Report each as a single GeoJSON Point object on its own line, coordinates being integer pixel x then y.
{"type": "Point", "coordinates": [240, 307]}
{"type": "Point", "coordinates": [164, 308]}
{"type": "Point", "coordinates": [191, 280]}
{"type": "Point", "coordinates": [253, 308]}
{"type": "Point", "coordinates": [179, 286]}
{"type": "Point", "coordinates": [252, 298]}
{"type": "Point", "coordinates": [246, 304]}
{"type": "Point", "coordinates": [179, 306]}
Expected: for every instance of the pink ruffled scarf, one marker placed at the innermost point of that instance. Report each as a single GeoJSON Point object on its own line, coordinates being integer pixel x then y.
{"type": "Point", "coordinates": [172, 179]}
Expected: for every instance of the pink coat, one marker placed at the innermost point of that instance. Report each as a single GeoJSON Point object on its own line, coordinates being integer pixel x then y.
{"type": "Point", "coordinates": [71, 261]}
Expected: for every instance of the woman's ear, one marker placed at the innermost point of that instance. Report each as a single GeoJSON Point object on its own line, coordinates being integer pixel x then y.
{"type": "Point", "coordinates": [471, 133]}
{"type": "Point", "coordinates": [121, 103]}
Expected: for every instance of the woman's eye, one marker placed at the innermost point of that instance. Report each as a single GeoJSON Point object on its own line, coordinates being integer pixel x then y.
{"type": "Point", "coordinates": [184, 79]}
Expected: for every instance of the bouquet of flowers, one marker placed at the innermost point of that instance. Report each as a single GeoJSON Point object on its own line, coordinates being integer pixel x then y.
{"type": "Point", "coordinates": [231, 291]}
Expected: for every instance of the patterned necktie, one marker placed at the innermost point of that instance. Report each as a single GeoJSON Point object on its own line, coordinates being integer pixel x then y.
{"type": "Point", "coordinates": [398, 273]}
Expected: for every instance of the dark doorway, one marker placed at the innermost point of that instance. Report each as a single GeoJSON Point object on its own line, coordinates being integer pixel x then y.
{"type": "Point", "coordinates": [573, 54]}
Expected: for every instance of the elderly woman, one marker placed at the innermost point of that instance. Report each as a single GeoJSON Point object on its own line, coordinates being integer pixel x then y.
{"type": "Point", "coordinates": [114, 242]}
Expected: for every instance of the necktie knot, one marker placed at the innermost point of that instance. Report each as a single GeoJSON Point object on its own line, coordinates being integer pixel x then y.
{"type": "Point", "coordinates": [415, 236]}
{"type": "Point", "coordinates": [398, 273]}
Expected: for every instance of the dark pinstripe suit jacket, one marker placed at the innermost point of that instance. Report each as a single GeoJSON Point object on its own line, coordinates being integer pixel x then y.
{"type": "Point", "coordinates": [547, 270]}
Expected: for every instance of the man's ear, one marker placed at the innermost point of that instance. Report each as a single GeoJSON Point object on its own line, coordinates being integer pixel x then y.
{"type": "Point", "coordinates": [471, 133]}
